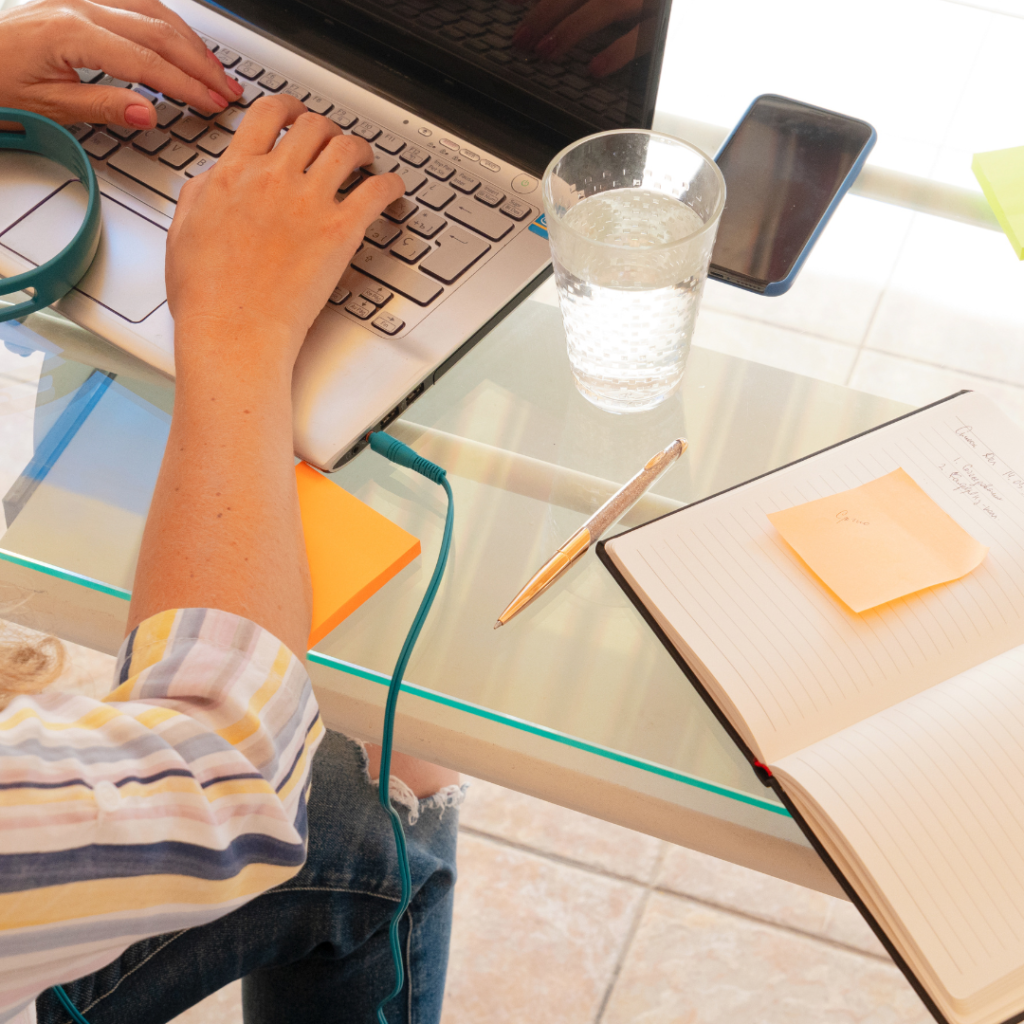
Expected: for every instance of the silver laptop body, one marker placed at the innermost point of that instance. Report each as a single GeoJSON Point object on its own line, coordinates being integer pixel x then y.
{"type": "Point", "coordinates": [466, 241]}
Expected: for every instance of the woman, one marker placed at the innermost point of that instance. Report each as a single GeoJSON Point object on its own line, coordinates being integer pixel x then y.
{"type": "Point", "coordinates": [153, 846]}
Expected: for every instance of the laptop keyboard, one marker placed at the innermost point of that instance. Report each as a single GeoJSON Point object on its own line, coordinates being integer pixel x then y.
{"type": "Point", "coordinates": [418, 252]}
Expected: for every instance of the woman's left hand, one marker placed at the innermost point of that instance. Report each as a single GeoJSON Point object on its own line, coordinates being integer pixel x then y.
{"type": "Point", "coordinates": [41, 44]}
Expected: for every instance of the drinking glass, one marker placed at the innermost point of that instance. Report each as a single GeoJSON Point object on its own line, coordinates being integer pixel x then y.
{"type": "Point", "coordinates": [632, 217]}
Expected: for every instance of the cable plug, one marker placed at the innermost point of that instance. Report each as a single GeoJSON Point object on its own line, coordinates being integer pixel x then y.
{"type": "Point", "coordinates": [401, 454]}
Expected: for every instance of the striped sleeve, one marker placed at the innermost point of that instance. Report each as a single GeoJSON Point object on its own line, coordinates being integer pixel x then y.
{"type": "Point", "coordinates": [170, 803]}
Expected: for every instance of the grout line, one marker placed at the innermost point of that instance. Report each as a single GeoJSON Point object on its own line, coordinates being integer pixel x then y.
{"type": "Point", "coordinates": [620, 960]}
{"type": "Point", "coordinates": [652, 887]}
{"type": "Point", "coordinates": [949, 369]}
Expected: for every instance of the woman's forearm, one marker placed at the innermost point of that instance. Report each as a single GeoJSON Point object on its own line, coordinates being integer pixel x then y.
{"type": "Point", "coordinates": [224, 530]}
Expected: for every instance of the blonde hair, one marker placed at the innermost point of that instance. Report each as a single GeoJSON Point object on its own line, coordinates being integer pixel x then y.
{"type": "Point", "coordinates": [28, 662]}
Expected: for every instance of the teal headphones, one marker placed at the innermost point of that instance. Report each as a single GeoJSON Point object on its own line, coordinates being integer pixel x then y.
{"type": "Point", "coordinates": [56, 277]}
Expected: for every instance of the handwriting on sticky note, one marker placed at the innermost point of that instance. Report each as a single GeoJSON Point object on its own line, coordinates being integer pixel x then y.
{"type": "Point", "coordinates": [879, 542]}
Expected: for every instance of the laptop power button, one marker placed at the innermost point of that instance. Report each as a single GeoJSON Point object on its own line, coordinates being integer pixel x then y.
{"type": "Point", "coordinates": [523, 184]}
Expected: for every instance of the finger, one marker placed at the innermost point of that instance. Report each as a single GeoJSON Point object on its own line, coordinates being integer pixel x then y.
{"type": "Point", "coordinates": [616, 56]}
{"type": "Point", "coordinates": [67, 102]}
{"type": "Point", "coordinates": [261, 126]}
{"type": "Point", "coordinates": [307, 137]}
{"type": "Point", "coordinates": [541, 20]}
{"type": "Point", "coordinates": [590, 18]}
{"type": "Point", "coordinates": [339, 158]}
{"type": "Point", "coordinates": [96, 46]}
{"type": "Point", "coordinates": [367, 202]}
{"type": "Point", "coordinates": [187, 53]}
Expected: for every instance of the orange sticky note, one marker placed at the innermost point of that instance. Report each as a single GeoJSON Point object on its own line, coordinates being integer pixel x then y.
{"type": "Point", "coordinates": [878, 542]}
{"type": "Point", "coordinates": [352, 550]}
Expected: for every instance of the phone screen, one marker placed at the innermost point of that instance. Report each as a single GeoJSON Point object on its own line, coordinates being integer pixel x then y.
{"type": "Point", "coordinates": [783, 166]}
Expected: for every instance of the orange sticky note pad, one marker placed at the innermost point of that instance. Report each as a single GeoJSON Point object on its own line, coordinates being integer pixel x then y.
{"type": "Point", "coordinates": [352, 550]}
{"type": "Point", "coordinates": [879, 542]}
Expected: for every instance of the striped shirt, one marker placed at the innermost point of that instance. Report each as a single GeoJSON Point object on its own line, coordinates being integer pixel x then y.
{"type": "Point", "coordinates": [171, 802]}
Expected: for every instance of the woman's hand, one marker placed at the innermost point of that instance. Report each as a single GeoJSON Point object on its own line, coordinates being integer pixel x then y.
{"type": "Point", "coordinates": [259, 242]}
{"type": "Point", "coordinates": [553, 27]}
{"type": "Point", "coordinates": [41, 43]}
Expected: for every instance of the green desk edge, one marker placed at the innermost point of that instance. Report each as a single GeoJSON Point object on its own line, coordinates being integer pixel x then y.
{"type": "Point", "coordinates": [455, 703]}
{"type": "Point", "coordinates": [56, 277]}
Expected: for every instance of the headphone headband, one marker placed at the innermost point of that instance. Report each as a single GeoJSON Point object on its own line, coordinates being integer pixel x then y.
{"type": "Point", "coordinates": [56, 277]}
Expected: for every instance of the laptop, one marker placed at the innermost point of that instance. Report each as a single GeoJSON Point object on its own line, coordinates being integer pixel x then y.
{"type": "Point", "coordinates": [443, 96]}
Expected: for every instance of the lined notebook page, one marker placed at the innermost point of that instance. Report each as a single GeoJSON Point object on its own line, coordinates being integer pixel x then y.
{"type": "Point", "coordinates": [929, 796]}
{"type": "Point", "coordinates": [793, 660]}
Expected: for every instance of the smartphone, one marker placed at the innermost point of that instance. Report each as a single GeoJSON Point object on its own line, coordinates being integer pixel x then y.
{"type": "Point", "coordinates": [786, 166]}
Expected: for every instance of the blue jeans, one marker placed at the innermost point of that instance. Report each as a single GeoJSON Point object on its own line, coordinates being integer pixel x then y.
{"type": "Point", "coordinates": [314, 949]}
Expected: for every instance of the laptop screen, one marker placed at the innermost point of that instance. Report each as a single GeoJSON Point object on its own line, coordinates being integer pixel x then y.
{"type": "Point", "coordinates": [573, 67]}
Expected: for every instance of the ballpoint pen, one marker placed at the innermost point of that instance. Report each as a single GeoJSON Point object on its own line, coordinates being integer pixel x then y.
{"type": "Point", "coordinates": [608, 514]}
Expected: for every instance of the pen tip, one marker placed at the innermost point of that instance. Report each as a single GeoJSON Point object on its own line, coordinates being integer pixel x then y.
{"type": "Point", "coordinates": [497, 624]}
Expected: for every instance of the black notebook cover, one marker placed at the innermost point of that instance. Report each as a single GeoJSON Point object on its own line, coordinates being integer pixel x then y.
{"type": "Point", "coordinates": [762, 771]}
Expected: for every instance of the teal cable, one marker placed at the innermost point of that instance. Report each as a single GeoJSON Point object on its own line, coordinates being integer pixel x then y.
{"type": "Point", "coordinates": [402, 455]}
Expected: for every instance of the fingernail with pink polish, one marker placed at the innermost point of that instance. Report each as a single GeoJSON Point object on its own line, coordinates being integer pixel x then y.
{"type": "Point", "coordinates": [547, 46]}
{"type": "Point", "coordinates": [138, 116]}
{"type": "Point", "coordinates": [217, 100]}
{"type": "Point", "coordinates": [235, 86]}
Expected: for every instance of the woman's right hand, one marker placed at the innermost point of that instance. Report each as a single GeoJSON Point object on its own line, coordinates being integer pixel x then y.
{"type": "Point", "coordinates": [259, 241]}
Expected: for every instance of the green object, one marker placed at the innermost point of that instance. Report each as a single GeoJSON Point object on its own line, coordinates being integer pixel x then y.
{"type": "Point", "coordinates": [56, 277]}
{"type": "Point", "coordinates": [1001, 176]}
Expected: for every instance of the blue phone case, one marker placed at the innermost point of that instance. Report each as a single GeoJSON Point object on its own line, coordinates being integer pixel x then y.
{"type": "Point", "coordinates": [778, 287]}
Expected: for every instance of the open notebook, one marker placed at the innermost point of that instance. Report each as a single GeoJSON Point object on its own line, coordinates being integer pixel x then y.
{"type": "Point", "coordinates": [895, 736]}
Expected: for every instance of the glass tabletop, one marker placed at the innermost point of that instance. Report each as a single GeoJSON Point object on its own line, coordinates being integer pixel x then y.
{"type": "Point", "coordinates": [578, 674]}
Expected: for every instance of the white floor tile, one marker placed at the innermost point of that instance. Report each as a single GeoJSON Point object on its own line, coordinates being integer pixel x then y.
{"type": "Point", "coordinates": [917, 383]}
{"type": "Point", "coordinates": [956, 299]}
{"type": "Point", "coordinates": [774, 346]}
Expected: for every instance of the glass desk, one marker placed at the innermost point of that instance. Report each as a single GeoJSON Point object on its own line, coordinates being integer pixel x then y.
{"type": "Point", "coordinates": [575, 701]}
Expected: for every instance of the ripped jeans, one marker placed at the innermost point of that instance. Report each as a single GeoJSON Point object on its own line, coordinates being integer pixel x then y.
{"type": "Point", "coordinates": [315, 948]}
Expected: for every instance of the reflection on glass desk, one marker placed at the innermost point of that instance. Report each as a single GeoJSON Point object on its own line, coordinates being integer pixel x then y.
{"type": "Point", "coordinates": [575, 700]}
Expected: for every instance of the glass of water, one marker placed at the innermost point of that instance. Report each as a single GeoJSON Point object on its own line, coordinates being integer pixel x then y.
{"type": "Point", "coordinates": [632, 217]}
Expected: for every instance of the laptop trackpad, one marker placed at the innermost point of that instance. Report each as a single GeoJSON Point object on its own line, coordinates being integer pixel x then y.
{"type": "Point", "coordinates": [127, 275]}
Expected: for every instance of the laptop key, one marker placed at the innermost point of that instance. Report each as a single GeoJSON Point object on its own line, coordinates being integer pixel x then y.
{"type": "Point", "coordinates": [440, 169]}
{"type": "Point", "coordinates": [381, 233]}
{"type": "Point", "coordinates": [100, 146]}
{"type": "Point", "coordinates": [361, 308]}
{"type": "Point", "coordinates": [122, 132]}
{"type": "Point", "coordinates": [230, 119]}
{"type": "Point", "coordinates": [366, 130]}
{"type": "Point", "coordinates": [391, 143]}
{"type": "Point", "coordinates": [319, 104]}
{"type": "Point", "coordinates": [400, 210]}
{"type": "Point", "coordinates": [215, 142]}
{"type": "Point", "coordinates": [177, 154]}
{"type": "Point", "coordinates": [204, 163]}
{"type": "Point", "coordinates": [436, 195]}
{"type": "Point", "coordinates": [89, 75]}
{"type": "Point", "coordinates": [353, 179]}
{"type": "Point", "coordinates": [464, 182]}
{"type": "Point", "coordinates": [409, 249]}
{"type": "Point", "coordinates": [166, 114]}
{"type": "Point", "coordinates": [80, 130]}
{"type": "Point", "coordinates": [273, 82]}
{"type": "Point", "coordinates": [156, 176]}
{"type": "Point", "coordinates": [343, 118]}
{"type": "Point", "coordinates": [189, 128]}
{"type": "Point", "coordinates": [490, 196]}
{"type": "Point", "coordinates": [427, 224]}
{"type": "Point", "coordinates": [249, 69]}
{"type": "Point", "coordinates": [117, 83]}
{"type": "Point", "coordinates": [250, 94]}
{"type": "Point", "coordinates": [377, 294]}
{"type": "Point", "coordinates": [228, 57]}
{"type": "Point", "coordinates": [339, 295]}
{"type": "Point", "coordinates": [457, 251]}
{"type": "Point", "coordinates": [515, 208]}
{"type": "Point", "coordinates": [402, 279]}
{"type": "Point", "coordinates": [490, 224]}
{"type": "Point", "coordinates": [413, 179]}
{"type": "Point", "coordinates": [152, 140]}
{"type": "Point", "coordinates": [416, 156]}
{"type": "Point", "coordinates": [300, 92]}
{"type": "Point", "coordinates": [383, 164]}
{"type": "Point", "coordinates": [388, 323]}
